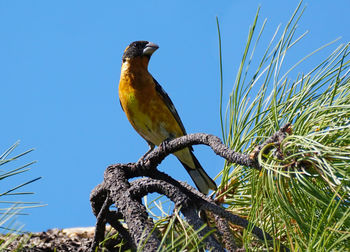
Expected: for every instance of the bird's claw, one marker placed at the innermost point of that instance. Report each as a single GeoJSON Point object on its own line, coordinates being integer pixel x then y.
{"type": "Point", "coordinates": [163, 145]}
{"type": "Point", "coordinates": [141, 161]}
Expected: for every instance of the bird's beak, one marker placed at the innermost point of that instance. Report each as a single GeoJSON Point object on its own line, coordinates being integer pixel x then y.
{"type": "Point", "coordinates": [150, 48]}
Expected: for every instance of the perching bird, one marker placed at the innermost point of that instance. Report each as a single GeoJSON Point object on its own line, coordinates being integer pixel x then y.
{"type": "Point", "coordinates": [150, 110]}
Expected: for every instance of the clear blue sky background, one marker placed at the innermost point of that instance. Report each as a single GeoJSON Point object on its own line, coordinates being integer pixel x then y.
{"type": "Point", "coordinates": [59, 72]}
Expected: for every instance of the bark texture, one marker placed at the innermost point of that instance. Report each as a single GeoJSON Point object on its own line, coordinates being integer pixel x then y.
{"type": "Point", "coordinates": [126, 195]}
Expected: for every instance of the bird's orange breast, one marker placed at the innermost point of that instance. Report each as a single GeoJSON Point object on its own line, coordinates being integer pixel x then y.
{"type": "Point", "coordinates": [144, 107]}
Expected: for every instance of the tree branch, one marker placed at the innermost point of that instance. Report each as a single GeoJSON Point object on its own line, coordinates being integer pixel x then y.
{"type": "Point", "coordinates": [127, 196]}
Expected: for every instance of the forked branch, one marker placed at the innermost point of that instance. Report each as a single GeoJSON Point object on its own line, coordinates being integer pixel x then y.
{"type": "Point", "coordinates": [140, 231]}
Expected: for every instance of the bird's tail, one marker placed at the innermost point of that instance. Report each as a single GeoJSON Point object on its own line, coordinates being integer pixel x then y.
{"type": "Point", "coordinates": [199, 176]}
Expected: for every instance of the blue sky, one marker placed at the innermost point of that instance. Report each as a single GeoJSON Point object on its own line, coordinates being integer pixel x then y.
{"type": "Point", "coordinates": [60, 64]}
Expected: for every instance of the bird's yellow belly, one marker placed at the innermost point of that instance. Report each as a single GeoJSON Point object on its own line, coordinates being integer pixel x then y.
{"type": "Point", "coordinates": [153, 122]}
{"type": "Point", "coordinates": [151, 118]}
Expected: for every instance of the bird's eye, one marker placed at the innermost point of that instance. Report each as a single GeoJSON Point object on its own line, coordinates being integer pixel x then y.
{"type": "Point", "coordinates": [134, 45]}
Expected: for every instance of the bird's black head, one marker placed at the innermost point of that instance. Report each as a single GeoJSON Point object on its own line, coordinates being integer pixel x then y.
{"type": "Point", "coordinates": [138, 49]}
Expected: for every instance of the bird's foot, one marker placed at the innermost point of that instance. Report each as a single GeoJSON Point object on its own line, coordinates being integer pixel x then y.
{"type": "Point", "coordinates": [142, 160]}
{"type": "Point", "coordinates": [163, 145]}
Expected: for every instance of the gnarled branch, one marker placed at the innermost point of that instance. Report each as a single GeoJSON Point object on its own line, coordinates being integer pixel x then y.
{"type": "Point", "coordinates": [141, 232]}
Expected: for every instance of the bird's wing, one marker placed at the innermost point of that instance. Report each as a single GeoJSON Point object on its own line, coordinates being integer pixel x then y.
{"type": "Point", "coordinates": [165, 97]}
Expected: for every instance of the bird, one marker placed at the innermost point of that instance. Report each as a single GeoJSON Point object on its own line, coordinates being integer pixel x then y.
{"type": "Point", "coordinates": [151, 112]}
